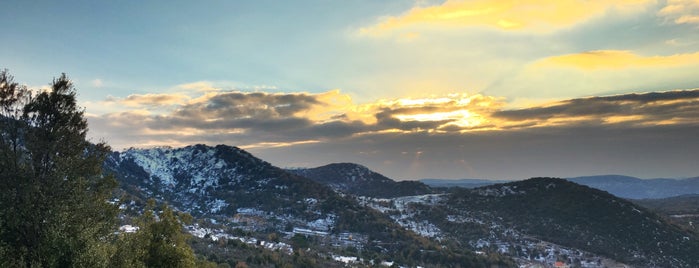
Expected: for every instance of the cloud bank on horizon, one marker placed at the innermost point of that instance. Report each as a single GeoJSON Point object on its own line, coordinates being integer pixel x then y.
{"type": "Point", "coordinates": [459, 135]}
{"type": "Point", "coordinates": [413, 89]}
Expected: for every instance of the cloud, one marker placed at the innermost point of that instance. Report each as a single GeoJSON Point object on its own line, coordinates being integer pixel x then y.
{"type": "Point", "coordinates": [530, 15]}
{"type": "Point", "coordinates": [644, 151]}
{"type": "Point", "coordinates": [149, 100]}
{"type": "Point", "coordinates": [288, 118]}
{"type": "Point", "coordinates": [248, 117]}
{"type": "Point", "coordinates": [619, 59]}
{"type": "Point", "coordinates": [201, 86]}
{"type": "Point", "coordinates": [450, 113]}
{"type": "Point", "coordinates": [450, 136]}
{"type": "Point", "coordinates": [681, 11]}
{"type": "Point", "coordinates": [258, 119]}
{"type": "Point", "coordinates": [97, 83]}
{"type": "Point", "coordinates": [648, 109]}
{"type": "Point", "coordinates": [598, 72]}
{"type": "Point", "coordinates": [253, 105]}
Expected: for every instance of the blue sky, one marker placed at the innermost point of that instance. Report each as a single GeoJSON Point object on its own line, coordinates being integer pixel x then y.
{"type": "Point", "coordinates": [142, 47]}
{"type": "Point", "coordinates": [305, 83]}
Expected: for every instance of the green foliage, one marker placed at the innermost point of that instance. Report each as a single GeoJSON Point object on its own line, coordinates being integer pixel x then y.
{"type": "Point", "coordinates": [234, 253]}
{"type": "Point", "coordinates": [300, 242]}
{"type": "Point", "coordinates": [682, 211]}
{"type": "Point", "coordinates": [159, 242]}
{"type": "Point", "coordinates": [53, 203]}
{"type": "Point", "coordinates": [53, 209]}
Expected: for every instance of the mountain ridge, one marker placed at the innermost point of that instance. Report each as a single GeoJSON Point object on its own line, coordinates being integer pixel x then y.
{"type": "Point", "coordinates": [619, 185]}
{"type": "Point", "coordinates": [230, 188]}
{"type": "Point", "coordinates": [465, 183]}
{"type": "Point", "coordinates": [351, 178]}
{"type": "Point", "coordinates": [636, 188]}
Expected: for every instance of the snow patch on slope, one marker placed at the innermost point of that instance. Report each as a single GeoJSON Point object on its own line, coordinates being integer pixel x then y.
{"type": "Point", "coordinates": [401, 211]}
{"type": "Point", "coordinates": [164, 163]}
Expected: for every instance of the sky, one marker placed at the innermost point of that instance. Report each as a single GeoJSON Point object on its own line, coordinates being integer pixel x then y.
{"type": "Point", "coordinates": [489, 89]}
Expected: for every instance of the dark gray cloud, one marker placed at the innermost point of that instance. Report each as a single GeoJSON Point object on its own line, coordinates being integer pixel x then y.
{"type": "Point", "coordinates": [241, 118]}
{"type": "Point", "coordinates": [386, 119]}
{"type": "Point", "coordinates": [653, 106]}
{"type": "Point", "coordinates": [243, 105]}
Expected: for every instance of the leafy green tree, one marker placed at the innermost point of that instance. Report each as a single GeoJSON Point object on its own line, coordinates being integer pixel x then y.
{"type": "Point", "coordinates": [53, 203]}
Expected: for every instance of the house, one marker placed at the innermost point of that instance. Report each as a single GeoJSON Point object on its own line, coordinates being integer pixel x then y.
{"type": "Point", "coordinates": [560, 264]}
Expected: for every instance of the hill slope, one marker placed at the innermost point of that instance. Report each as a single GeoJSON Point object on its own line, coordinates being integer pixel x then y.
{"type": "Point", "coordinates": [681, 210]}
{"type": "Point", "coordinates": [205, 180]}
{"type": "Point", "coordinates": [358, 180]}
{"type": "Point", "coordinates": [569, 214]}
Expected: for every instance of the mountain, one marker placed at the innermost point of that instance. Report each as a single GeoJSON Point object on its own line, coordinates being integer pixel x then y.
{"type": "Point", "coordinates": [359, 180]}
{"type": "Point", "coordinates": [219, 180]}
{"type": "Point", "coordinates": [464, 183]}
{"type": "Point", "coordinates": [621, 186]}
{"type": "Point", "coordinates": [237, 197]}
{"type": "Point", "coordinates": [572, 215]}
{"type": "Point", "coordinates": [635, 188]}
{"type": "Point", "coordinates": [262, 209]}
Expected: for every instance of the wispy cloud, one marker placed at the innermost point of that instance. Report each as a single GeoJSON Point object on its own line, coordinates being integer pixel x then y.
{"type": "Point", "coordinates": [149, 100]}
{"type": "Point", "coordinates": [649, 109]}
{"type": "Point", "coordinates": [681, 11]}
{"type": "Point", "coordinates": [619, 59]}
{"type": "Point", "coordinates": [531, 15]}
{"type": "Point", "coordinates": [97, 83]}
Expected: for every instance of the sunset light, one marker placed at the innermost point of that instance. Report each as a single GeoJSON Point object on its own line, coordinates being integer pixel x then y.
{"type": "Point", "coordinates": [476, 86]}
{"type": "Point", "coordinates": [362, 133]}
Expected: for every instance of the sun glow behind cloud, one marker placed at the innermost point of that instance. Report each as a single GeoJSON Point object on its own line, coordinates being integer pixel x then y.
{"type": "Point", "coordinates": [411, 136]}
{"type": "Point", "coordinates": [460, 117]}
{"type": "Point", "coordinates": [269, 85]}
{"type": "Point", "coordinates": [271, 120]}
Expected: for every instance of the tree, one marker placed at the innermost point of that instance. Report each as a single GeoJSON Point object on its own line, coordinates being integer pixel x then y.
{"type": "Point", "coordinates": [53, 203]}
{"type": "Point", "coordinates": [159, 242]}
{"type": "Point", "coordinates": [12, 100]}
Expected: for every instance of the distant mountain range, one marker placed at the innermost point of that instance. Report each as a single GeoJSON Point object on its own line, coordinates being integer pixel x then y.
{"type": "Point", "coordinates": [464, 183]}
{"type": "Point", "coordinates": [635, 188]}
{"type": "Point", "coordinates": [621, 186]}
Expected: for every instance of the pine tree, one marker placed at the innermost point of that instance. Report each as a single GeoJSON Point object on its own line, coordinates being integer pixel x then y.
{"type": "Point", "coordinates": [53, 200]}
